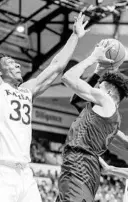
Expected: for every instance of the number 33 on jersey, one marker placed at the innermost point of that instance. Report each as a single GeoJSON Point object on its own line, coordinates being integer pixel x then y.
{"type": "Point", "coordinates": [18, 104]}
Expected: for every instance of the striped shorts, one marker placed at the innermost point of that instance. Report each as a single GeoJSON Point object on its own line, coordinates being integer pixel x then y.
{"type": "Point", "coordinates": [72, 189]}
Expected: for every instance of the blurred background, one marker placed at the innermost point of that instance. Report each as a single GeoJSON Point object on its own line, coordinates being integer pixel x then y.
{"type": "Point", "coordinates": [32, 32]}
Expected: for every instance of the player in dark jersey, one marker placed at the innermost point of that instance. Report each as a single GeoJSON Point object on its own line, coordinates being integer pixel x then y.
{"type": "Point", "coordinates": [92, 131]}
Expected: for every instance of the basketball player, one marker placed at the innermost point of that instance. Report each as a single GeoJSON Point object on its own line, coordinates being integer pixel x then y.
{"type": "Point", "coordinates": [93, 130]}
{"type": "Point", "coordinates": [119, 172]}
{"type": "Point", "coordinates": [16, 180]}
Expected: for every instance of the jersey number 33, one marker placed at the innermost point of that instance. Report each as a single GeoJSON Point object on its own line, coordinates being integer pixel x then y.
{"type": "Point", "coordinates": [20, 112]}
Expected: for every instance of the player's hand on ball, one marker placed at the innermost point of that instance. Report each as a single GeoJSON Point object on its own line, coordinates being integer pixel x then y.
{"type": "Point", "coordinates": [79, 27]}
{"type": "Point", "coordinates": [116, 51]}
{"type": "Point", "coordinates": [99, 53]}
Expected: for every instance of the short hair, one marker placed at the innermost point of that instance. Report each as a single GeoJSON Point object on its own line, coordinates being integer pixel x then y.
{"type": "Point", "coordinates": [2, 55]}
{"type": "Point", "coordinates": [119, 80]}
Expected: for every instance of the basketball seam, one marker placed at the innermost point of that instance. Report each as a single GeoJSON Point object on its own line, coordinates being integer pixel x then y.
{"type": "Point", "coordinates": [117, 52]}
{"type": "Point", "coordinates": [112, 65]}
{"type": "Point", "coordinates": [119, 60]}
{"type": "Point", "coordinates": [110, 58]}
{"type": "Point", "coordinates": [109, 48]}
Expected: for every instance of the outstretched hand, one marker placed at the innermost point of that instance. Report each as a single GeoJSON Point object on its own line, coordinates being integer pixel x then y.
{"type": "Point", "coordinates": [80, 24]}
{"type": "Point", "coordinates": [99, 52]}
{"type": "Point", "coordinates": [104, 165]}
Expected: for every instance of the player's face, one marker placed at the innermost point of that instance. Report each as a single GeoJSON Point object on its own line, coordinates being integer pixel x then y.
{"type": "Point", "coordinates": [10, 70]}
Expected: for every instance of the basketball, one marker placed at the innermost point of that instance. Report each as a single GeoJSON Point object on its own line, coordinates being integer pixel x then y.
{"type": "Point", "coordinates": [116, 53]}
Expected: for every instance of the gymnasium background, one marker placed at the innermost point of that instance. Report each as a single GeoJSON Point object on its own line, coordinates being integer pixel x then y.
{"type": "Point", "coordinates": [32, 32]}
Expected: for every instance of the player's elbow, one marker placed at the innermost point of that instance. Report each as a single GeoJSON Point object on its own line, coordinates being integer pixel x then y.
{"type": "Point", "coordinates": [68, 79]}
{"type": "Point", "coordinates": [60, 64]}
{"type": "Point", "coordinates": [65, 79]}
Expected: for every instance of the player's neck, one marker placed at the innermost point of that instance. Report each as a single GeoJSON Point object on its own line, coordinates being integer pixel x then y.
{"type": "Point", "coordinates": [12, 83]}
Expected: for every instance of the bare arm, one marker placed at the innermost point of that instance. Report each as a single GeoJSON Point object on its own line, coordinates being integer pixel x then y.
{"type": "Point", "coordinates": [107, 169]}
{"type": "Point", "coordinates": [123, 139]}
{"type": "Point", "coordinates": [72, 77]}
{"type": "Point", "coordinates": [122, 172]}
{"type": "Point", "coordinates": [59, 62]}
{"type": "Point", "coordinates": [77, 101]}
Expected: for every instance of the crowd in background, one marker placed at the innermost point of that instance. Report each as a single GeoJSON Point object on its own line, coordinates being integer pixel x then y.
{"type": "Point", "coordinates": [41, 152]}
{"type": "Point", "coordinates": [111, 189]}
{"type": "Point", "coordinates": [48, 186]}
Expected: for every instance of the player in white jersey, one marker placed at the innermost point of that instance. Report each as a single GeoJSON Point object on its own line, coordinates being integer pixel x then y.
{"type": "Point", "coordinates": [118, 171]}
{"type": "Point", "coordinates": [125, 197]}
{"type": "Point", "coordinates": [16, 179]}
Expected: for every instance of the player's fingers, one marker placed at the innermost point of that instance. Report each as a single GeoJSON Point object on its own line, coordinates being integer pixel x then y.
{"type": "Point", "coordinates": [85, 23]}
{"type": "Point", "coordinates": [100, 43]}
{"type": "Point", "coordinates": [109, 61]}
{"type": "Point", "coordinates": [87, 30]}
{"type": "Point", "coordinates": [90, 7]}
{"type": "Point", "coordinates": [82, 18]}
{"type": "Point", "coordinates": [103, 42]}
{"type": "Point", "coordinates": [80, 15]}
{"type": "Point", "coordinates": [84, 9]}
{"type": "Point", "coordinates": [109, 46]}
{"type": "Point", "coordinates": [75, 19]}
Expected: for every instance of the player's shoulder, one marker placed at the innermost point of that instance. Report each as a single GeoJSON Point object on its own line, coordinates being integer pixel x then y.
{"type": "Point", "coordinates": [22, 89]}
{"type": "Point", "coordinates": [102, 98]}
{"type": "Point", "coordinates": [3, 84]}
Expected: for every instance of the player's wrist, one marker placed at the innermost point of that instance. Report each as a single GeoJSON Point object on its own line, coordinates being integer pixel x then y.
{"type": "Point", "coordinates": [99, 70]}
{"type": "Point", "coordinates": [93, 58]}
{"type": "Point", "coordinates": [110, 169]}
{"type": "Point", "coordinates": [75, 35]}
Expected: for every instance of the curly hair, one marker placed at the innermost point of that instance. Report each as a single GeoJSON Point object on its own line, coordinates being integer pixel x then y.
{"type": "Point", "coordinates": [119, 80]}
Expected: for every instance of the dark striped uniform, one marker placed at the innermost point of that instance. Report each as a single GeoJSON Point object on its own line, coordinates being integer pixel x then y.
{"type": "Point", "coordinates": [88, 137]}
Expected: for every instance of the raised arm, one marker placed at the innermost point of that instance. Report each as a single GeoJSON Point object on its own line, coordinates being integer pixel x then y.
{"type": "Point", "coordinates": [72, 77]}
{"type": "Point", "coordinates": [112, 170]}
{"type": "Point", "coordinates": [39, 84]}
{"type": "Point", "coordinates": [77, 101]}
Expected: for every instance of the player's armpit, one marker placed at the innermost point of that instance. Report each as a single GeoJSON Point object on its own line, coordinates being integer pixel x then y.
{"type": "Point", "coordinates": [77, 102]}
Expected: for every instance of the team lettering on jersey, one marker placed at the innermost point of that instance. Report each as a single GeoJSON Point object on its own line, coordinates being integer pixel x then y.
{"type": "Point", "coordinates": [17, 94]}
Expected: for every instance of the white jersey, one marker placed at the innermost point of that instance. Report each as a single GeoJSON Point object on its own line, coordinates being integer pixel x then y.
{"type": "Point", "coordinates": [125, 198]}
{"type": "Point", "coordinates": [15, 123]}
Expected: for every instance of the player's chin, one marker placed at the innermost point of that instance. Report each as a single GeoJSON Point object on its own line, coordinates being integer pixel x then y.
{"type": "Point", "coordinates": [20, 80]}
